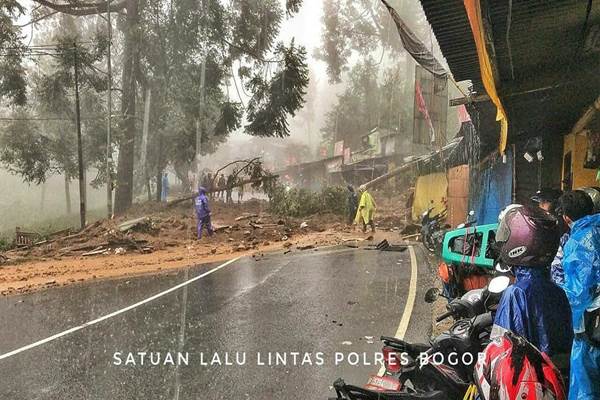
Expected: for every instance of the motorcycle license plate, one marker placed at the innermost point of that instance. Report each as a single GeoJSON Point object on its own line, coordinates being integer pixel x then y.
{"type": "Point", "coordinates": [382, 384]}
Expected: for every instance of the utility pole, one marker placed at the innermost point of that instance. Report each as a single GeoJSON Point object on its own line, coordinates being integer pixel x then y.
{"type": "Point", "coordinates": [109, 207]}
{"type": "Point", "coordinates": [145, 129]}
{"type": "Point", "coordinates": [200, 120]}
{"type": "Point", "coordinates": [79, 144]}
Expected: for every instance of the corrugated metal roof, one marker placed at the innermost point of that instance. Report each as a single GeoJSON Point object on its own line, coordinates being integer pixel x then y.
{"type": "Point", "coordinates": [450, 25]}
{"type": "Point", "coordinates": [546, 79]}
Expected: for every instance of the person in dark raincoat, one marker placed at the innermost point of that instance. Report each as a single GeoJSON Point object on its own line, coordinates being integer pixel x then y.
{"type": "Point", "coordinates": [351, 204]}
{"type": "Point", "coordinates": [230, 183]}
{"type": "Point", "coordinates": [573, 205]}
{"type": "Point", "coordinates": [221, 185]}
{"type": "Point", "coordinates": [533, 307]}
{"type": "Point", "coordinates": [581, 267]}
{"type": "Point", "coordinates": [202, 213]}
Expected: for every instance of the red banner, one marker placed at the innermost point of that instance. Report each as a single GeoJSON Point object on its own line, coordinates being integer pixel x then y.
{"type": "Point", "coordinates": [423, 109]}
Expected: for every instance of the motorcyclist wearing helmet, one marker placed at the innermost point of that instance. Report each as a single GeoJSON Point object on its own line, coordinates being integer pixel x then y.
{"type": "Point", "coordinates": [534, 307]}
{"type": "Point", "coordinates": [547, 199]}
{"type": "Point", "coordinates": [581, 264]}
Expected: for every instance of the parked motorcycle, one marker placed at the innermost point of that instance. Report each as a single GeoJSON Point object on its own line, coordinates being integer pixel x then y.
{"type": "Point", "coordinates": [444, 368]}
{"type": "Point", "coordinates": [432, 229]}
{"type": "Point", "coordinates": [469, 256]}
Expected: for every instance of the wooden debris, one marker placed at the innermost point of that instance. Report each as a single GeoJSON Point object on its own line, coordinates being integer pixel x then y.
{"type": "Point", "coordinates": [410, 236]}
{"type": "Point", "coordinates": [24, 239]}
{"type": "Point", "coordinates": [127, 225]}
{"type": "Point", "coordinates": [221, 228]}
{"type": "Point", "coordinates": [248, 216]}
{"type": "Point", "coordinates": [97, 250]}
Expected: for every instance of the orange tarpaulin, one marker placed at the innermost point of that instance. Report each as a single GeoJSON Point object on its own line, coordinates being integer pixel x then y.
{"type": "Point", "coordinates": [473, 8]}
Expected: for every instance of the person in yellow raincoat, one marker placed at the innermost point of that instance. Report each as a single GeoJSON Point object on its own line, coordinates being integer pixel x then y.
{"type": "Point", "coordinates": [366, 209]}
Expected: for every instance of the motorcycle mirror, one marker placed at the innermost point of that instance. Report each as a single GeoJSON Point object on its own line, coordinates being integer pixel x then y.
{"type": "Point", "coordinates": [431, 295]}
{"type": "Point", "coordinates": [503, 269]}
{"type": "Point", "coordinates": [498, 284]}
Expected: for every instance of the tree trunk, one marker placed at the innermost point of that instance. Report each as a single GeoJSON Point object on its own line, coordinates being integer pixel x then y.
{"type": "Point", "coordinates": [158, 184]}
{"type": "Point", "coordinates": [68, 194]}
{"type": "Point", "coordinates": [131, 56]}
{"type": "Point", "coordinates": [159, 169]}
{"type": "Point", "coordinates": [43, 201]}
{"type": "Point", "coordinates": [148, 189]}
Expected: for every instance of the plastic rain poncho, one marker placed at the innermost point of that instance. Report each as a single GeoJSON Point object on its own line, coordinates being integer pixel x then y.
{"type": "Point", "coordinates": [535, 308]}
{"type": "Point", "coordinates": [581, 264]}
{"type": "Point", "coordinates": [366, 208]}
{"type": "Point", "coordinates": [201, 204]}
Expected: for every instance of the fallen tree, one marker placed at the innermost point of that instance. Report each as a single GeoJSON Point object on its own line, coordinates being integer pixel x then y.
{"type": "Point", "coordinates": [412, 163]}
{"type": "Point", "coordinates": [220, 189]}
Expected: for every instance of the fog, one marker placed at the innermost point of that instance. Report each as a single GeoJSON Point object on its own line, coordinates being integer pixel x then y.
{"type": "Point", "coordinates": [43, 207]}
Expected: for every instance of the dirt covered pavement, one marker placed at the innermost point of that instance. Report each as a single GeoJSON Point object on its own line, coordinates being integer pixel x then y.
{"type": "Point", "coordinates": [159, 238]}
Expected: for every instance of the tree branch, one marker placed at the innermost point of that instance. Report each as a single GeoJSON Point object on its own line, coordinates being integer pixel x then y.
{"type": "Point", "coordinates": [38, 19]}
{"type": "Point", "coordinates": [248, 162]}
{"type": "Point", "coordinates": [81, 9]}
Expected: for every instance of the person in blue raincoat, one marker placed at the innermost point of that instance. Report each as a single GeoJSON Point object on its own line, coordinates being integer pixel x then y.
{"type": "Point", "coordinates": [202, 212]}
{"type": "Point", "coordinates": [581, 267]}
{"type": "Point", "coordinates": [164, 187]}
{"type": "Point", "coordinates": [577, 205]}
{"type": "Point", "coordinates": [534, 307]}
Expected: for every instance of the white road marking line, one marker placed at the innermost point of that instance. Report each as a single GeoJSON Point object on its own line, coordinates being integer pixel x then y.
{"type": "Point", "coordinates": [121, 311]}
{"type": "Point", "coordinates": [410, 301]}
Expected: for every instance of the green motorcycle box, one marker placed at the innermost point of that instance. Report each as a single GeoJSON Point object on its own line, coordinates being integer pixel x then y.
{"type": "Point", "coordinates": [470, 245]}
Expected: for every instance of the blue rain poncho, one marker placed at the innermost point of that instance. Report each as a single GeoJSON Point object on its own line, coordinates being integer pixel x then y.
{"type": "Point", "coordinates": [535, 308]}
{"type": "Point", "coordinates": [581, 264]}
{"type": "Point", "coordinates": [201, 204]}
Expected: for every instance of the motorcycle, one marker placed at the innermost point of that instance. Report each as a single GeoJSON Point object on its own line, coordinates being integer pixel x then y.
{"type": "Point", "coordinates": [469, 256]}
{"type": "Point", "coordinates": [432, 229]}
{"type": "Point", "coordinates": [444, 368]}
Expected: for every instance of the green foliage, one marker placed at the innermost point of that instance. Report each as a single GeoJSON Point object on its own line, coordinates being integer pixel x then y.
{"type": "Point", "coordinates": [366, 104]}
{"type": "Point", "coordinates": [12, 71]}
{"type": "Point", "coordinates": [229, 121]}
{"type": "Point", "coordinates": [363, 28]}
{"type": "Point", "coordinates": [334, 49]}
{"type": "Point", "coordinates": [292, 7]}
{"type": "Point", "coordinates": [23, 150]}
{"type": "Point", "coordinates": [5, 243]}
{"type": "Point", "coordinates": [274, 101]}
{"type": "Point", "coordinates": [256, 26]}
{"type": "Point", "coordinates": [186, 52]}
{"type": "Point", "coordinates": [303, 202]}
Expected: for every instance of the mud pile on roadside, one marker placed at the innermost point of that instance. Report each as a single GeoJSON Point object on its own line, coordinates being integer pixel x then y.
{"type": "Point", "coordinates": [151, 227]}
{"type": "Point", "coordinates": [155, 238]}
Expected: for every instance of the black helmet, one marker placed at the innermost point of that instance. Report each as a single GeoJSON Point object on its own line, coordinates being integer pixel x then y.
{"type": "Point", "coordinates": [547, 196]}
{"type": "Point", "coordinates": [594, 194]}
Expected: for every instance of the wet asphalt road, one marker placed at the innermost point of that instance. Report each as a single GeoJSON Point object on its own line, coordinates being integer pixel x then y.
{"type": "Point", "coordinates": [315, 303]}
